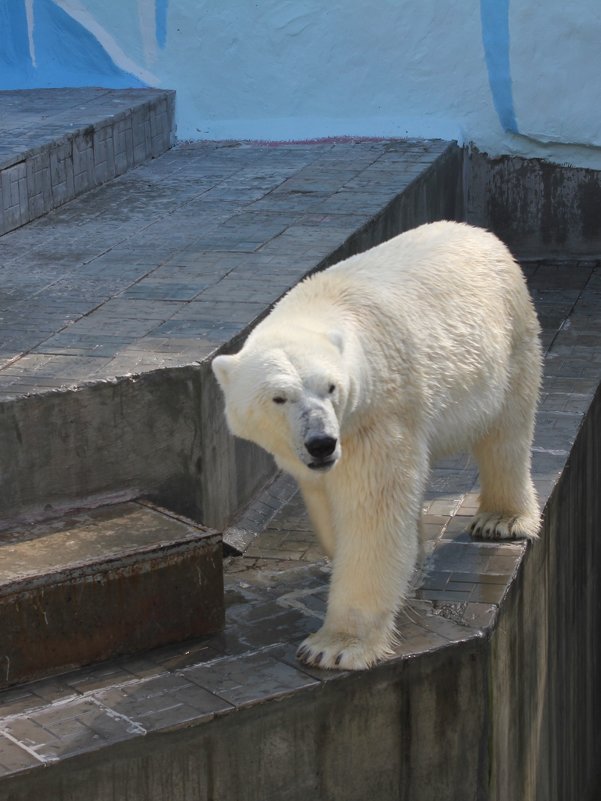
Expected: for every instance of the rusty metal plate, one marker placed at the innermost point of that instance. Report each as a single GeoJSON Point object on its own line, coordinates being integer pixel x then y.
{"type": "Point", "coordinates": [107, 581]}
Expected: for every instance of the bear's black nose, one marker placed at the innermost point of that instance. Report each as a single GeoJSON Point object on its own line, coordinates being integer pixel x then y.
{"type": "Point", "coordinates": [321, 446]}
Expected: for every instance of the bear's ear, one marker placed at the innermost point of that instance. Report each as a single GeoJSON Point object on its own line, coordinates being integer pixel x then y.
{"type": "Point", "coordinates": [222, 368]}
{"type": "Point", "coordinates": [336, 339]}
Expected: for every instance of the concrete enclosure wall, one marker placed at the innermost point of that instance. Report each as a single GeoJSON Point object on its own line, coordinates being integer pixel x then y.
{"type": "Point", "coordinates": [511, 77]}
{"type": "Point", "coordinates": [539, 209]}
{"type": "Point", "coordinates": [545, 721]}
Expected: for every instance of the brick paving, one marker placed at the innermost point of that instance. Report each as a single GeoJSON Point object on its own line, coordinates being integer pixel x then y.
{"type": "Point", "coordinates": [165, 264]}
{"type": "Point", "coordinates": [57, 143]}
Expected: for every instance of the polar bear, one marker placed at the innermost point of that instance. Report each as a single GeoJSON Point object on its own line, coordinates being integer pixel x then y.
{"type": "Point", "coordinates": [362, 375]}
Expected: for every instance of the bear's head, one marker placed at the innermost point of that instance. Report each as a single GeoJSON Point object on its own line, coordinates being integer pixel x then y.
{"type": "Point", "coordinates": [288, 394]}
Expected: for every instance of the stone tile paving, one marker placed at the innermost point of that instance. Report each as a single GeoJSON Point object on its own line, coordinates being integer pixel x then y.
{"type": "Point", "coordinates": [276, 592]}
{"type": "Point", "coordinates": [57, 143]}
{"type": "Point", "coordinates": [243, 530]}
{"type": "Point", "coordinates": [168, 262]}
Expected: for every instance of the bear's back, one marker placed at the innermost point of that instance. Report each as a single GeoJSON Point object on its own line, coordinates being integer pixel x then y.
{"type": "Point", "coordinates": [438, 275]}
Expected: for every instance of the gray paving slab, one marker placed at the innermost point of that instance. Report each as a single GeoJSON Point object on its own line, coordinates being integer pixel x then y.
{"type": "Point", "coordinates": [34, 119]}
{"type": "Point", "coordinates": [56, 144]}
{"type": "Point", "coordinates": [249, 678]}
{"type": "Point", "coordinates": [167, 263]}
{"type": "Point", "coordinates": [14, 758]}
{"type": "Point", "coordinates": [70, 728]}
{"type": "Point", "coordinates": [167, 701]}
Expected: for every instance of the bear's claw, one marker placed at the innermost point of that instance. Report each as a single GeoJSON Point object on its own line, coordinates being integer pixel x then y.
{"type": "Point", "coordinates": [488, 526]}
{"type": "Point", "coordinates": [339, 651]}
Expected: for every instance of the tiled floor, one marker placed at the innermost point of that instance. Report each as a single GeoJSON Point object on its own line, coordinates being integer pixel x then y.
{"type": "Point", "coordinates": [173, 259]}
{"type": "Point", "coordinates": [56, 144]}
{"type": "Point", "coordinates": [34, 118]}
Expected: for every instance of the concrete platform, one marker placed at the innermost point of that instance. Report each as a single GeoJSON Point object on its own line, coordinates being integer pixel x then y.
{"type": "Point", "coordinates": [56, 144]}
{"type": "Point", "coordinates": [112, 306]}
{"type": "Point", "coordinates": [484, 698]}
{"type": "Point", "coordinates": [110, 580]}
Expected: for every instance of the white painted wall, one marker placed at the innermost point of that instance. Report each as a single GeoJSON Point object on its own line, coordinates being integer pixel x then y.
{"type": "Point", "coordinates": [556, 69]}
{"type": "Point", "coordinates": [519, 76]}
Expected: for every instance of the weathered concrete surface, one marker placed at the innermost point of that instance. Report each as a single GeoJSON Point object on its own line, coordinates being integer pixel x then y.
{"type": "Point", "coordinates": [257, 515]}
{"type": "Point", "coordinates": [545, 721]}
{"type": "Point", "coordinates": [56, 144]}
{"type": "Point", "coordinates": [116, 579]}
{"type": "Point", "coordinates": [541, 210]}
{"type": "Point", "coordinates": [105, 341]}
{"type": "Point", "coordinates": [404, 731]}
{"type": "Point", "coordinates": [161, 435]}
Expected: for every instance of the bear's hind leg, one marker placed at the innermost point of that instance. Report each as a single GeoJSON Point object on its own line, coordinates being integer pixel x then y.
{"type": "Point", "coordinates": [508, 507]}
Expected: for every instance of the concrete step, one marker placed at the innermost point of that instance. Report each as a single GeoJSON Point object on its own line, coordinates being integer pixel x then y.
{"type": "Point", "coordinates": [56, 144]}
{"type": "Point", "coordinates": [112, 307]}
{"type": "Point", "coordinates": [99, 582]}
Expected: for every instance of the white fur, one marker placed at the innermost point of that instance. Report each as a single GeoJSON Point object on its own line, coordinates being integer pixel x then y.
{"type": "Point", "coordinates": [431, 343]}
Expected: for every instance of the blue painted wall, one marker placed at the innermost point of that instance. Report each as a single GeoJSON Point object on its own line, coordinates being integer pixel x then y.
{"type": "Point", "coordinates": [43, 46]}
{"type": "Point", "coordinates": [513, 76]}
{"type": "Point", "coordinates": [494, 15]}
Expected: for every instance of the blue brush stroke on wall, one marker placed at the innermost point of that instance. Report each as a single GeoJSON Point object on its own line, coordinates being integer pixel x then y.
{"type": "Point", "coordinates": [66, 53]}
{"type": "Point", "coordinates": [494, 16]}
{"type": "Point", "coordinates": [160, 12]}
{"type": "Point", "coordinates": [14, 44]}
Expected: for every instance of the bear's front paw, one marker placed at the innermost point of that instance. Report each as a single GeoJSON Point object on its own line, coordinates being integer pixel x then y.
{"type": "Point", "coordinates": [489, 526]}
{"type": "Point", "coordinates": [340, 651]}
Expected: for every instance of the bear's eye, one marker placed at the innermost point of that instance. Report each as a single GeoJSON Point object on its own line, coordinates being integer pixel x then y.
{"type": "Point", "coordinates": [279, 399]}
{"type": "Point", "coordinates": [331, 388]}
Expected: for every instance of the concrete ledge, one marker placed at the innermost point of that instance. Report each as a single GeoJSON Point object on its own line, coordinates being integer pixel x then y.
{"type": "Point", "coordinates": [545, 715]}
{"type": "Point", "coordinates": [56, 144]}
{"type": "Point", "coordinates": [409, 731]}
{"type": "Point", "coordinates": [121, 396]}
{"type": "Point", "coordinates": [539, 209]}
